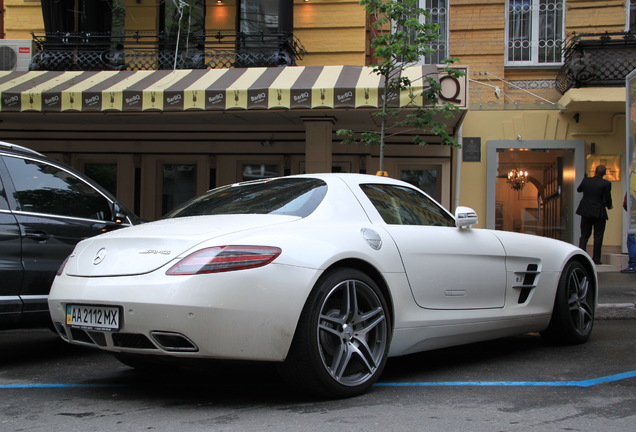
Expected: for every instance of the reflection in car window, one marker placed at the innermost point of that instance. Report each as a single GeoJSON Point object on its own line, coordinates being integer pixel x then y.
{"type": "Point", "coordinates": [44, 188]}
{"type": "Point", "coordinates": [400, 205]}
{"type": "Point", "coordinates": [284, 196]}
{"type": "Point", "coordinates": [3, 200]}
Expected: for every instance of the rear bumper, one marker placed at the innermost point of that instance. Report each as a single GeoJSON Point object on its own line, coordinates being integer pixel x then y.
{"type": "Point", "coordinates": [246, 315]}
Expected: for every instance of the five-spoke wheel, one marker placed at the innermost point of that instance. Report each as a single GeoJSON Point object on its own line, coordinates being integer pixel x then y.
{"type": "Point", "coordinates": [573, 314]}
{"type": "Point", "coordinates": [342, 340]}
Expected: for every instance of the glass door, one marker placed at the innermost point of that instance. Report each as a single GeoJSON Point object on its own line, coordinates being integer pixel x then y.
{"type": "Point", "coordinates": [179, 184]}
{"type": "Point", "coordinates": [170, 180]}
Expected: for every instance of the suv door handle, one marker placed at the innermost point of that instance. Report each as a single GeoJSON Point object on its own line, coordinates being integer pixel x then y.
{"type": "Point", "coordinates": [40, 236]}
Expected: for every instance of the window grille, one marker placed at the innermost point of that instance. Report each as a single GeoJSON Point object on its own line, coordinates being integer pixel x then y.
{"type": "Point", "coordinates": [439, 15]}
{"type": "Point", "coordinates": [535, 32]}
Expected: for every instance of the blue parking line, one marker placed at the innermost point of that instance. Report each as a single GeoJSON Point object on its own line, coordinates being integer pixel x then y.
{"type": "Point", "coordinates": [37, 386]}
{"type": "Point", "coordinates": [584, 383]}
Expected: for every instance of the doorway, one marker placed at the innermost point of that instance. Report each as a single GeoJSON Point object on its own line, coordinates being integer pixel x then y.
{"type": "Point", "coordinates": [532, 187]}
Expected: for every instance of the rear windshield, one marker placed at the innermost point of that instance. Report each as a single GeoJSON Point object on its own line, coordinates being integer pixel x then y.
{"type": "Point", "coordinates": [282, 196]}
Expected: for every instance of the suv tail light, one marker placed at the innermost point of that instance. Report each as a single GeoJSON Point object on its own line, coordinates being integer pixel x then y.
{"type": "Point", "coordinates": [225, 258]}
{"type": "Point", "coordinates": [60, 270]}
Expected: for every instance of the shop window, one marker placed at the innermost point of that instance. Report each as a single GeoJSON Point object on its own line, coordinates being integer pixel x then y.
{"type": "Point", "coordinates": [534, 32]}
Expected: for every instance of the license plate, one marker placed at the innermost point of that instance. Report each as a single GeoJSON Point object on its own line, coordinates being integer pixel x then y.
{"type": "Point", "coordinates": [101, 318]}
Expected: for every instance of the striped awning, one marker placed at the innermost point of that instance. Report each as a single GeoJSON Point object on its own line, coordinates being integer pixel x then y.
{"type": "Point", "coordinates": [309, 87]}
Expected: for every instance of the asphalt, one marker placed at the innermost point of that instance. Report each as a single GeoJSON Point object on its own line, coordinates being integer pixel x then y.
{"type": "Point", "coordinates": [616, 295]}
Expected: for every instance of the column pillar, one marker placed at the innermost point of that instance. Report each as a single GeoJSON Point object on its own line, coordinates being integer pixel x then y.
{"type": "Point", "coordinates": [318, 144]}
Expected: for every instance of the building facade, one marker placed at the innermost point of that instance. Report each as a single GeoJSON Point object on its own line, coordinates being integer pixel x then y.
{"type": "Point", "coordinates": [547, 98]}
{"type": "Point", "coordinates": [542, 96]}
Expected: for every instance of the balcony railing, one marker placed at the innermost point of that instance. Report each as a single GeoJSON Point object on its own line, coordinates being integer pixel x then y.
{"type": "Point", "coordinates": [154, 51]}
{"type": "Point", "coordinates": [597, 60]}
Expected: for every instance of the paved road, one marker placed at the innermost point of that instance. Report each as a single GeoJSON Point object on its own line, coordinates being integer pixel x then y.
{"type": "Point", "coordinates": [507, 385]}
{"type": "Point", "coordinates": [617, 296]}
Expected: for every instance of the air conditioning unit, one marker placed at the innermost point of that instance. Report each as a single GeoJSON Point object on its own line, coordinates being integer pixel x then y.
{"type": "Point", "coordinates": [15, 54]}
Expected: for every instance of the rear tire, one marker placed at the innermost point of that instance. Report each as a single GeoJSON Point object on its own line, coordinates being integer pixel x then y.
{"type": "Point", "coordinates": [342, 340]}
{"type": "Point", "coordinates": [573, 314]}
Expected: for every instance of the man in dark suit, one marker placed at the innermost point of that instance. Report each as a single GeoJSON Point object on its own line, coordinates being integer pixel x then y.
{"type": "Point", "coordinates": [597, 198]}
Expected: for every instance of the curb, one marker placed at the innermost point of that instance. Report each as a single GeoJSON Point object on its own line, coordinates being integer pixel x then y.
{"type": "Point", "coordinates": [615, 311]}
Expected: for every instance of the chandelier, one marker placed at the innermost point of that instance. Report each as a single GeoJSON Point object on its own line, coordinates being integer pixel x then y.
{"type": "Point", "coordinates": [517, 179]}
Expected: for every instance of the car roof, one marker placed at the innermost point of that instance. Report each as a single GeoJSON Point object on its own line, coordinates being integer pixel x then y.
{"type": "Point", "coordinates": [355, 178]}
{"type": "Point", "coordinates": [19, 149]}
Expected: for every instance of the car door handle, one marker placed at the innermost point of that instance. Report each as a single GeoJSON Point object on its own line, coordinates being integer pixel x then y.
{"type": "Point", "coordinates": [39, 236]}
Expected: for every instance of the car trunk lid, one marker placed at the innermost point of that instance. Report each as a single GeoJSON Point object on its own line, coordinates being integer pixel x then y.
{"type": "Point", "coordinates": [144, 248]}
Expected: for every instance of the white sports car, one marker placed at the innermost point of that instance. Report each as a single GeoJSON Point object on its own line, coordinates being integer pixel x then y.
{"type": "Point", "coordinates": [327, 274]}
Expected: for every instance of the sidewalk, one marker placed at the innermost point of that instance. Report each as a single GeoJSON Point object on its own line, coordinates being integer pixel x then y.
{"type": "Point", "coordinates": [616, 295]}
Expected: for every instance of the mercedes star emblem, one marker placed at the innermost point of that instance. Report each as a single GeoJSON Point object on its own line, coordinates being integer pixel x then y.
{"type": "Point", "coordinates": [99, 256]}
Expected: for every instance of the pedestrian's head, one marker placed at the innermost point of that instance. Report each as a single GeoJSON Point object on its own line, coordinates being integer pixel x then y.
{"type": "Point", "coordinates": [600, 170]}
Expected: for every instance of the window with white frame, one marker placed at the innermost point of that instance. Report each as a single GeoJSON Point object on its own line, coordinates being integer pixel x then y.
{"type": "Point", "coordinates": [631, 15]}
{"type": "Point", "coordinates": [438, 10]}
{"type": "Point", "coordinates": [534, 32]}
{"type": "Point", "coordinates": [439, 15]}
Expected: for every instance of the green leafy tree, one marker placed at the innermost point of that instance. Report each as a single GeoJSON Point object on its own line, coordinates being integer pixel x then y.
{"type": "Point", "coordinates": [401, 39]}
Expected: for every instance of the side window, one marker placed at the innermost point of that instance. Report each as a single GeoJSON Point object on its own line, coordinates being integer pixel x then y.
{"type": "Point", "coordinates": [400, 205]}
{"type": "Point", "coordinates": [44, 188]}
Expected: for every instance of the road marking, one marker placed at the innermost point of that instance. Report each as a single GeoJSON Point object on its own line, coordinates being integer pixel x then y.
{"type": "Point", "coordinates": [584, 383]}
{"type": "Point", "coordinates": [36, 386]}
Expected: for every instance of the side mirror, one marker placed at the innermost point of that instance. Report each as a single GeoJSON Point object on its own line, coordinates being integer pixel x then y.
{"type": "Point", "coordinates": [465, 217]}
{"type": "Point", "coordinates": [118, 215]}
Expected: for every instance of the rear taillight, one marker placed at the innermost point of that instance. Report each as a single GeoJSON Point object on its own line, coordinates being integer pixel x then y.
{"type": "Point", "coordinates": [224, 258]}
{"type": "Point", "coordinates": [60, 270]}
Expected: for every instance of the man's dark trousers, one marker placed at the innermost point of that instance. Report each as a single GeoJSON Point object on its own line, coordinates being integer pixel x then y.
{"type": "Point", "coordinates": [586, 230]}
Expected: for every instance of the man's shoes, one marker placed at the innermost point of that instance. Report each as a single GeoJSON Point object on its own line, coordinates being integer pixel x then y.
{"type": "Point", "coordinates": [629, 270]}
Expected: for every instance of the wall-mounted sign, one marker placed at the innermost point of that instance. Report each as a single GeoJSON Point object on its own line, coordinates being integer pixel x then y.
{"type": "Point", "coordinates": [611, 162]}
{"type": "Point", "coordinates": [471, 149]}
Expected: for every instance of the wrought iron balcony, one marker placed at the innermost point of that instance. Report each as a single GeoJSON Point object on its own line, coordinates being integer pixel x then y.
{"type": "Point", "coordinates": [597, 60]}
{"type": "Point", "coordinates": [154, 51]}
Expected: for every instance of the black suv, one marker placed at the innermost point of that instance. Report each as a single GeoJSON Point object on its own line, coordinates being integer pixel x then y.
{"type": "Point", "coordinates": [45, 209]}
